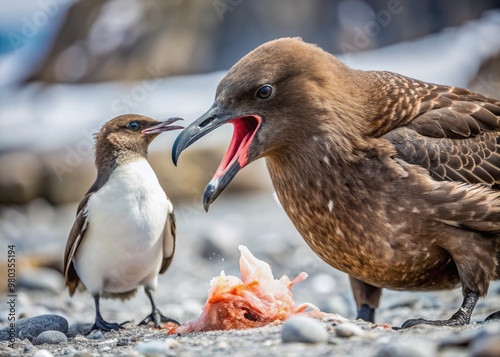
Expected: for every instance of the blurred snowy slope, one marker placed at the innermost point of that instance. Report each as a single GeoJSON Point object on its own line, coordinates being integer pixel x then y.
{"type": "Point", "coordinates": [43, 117]}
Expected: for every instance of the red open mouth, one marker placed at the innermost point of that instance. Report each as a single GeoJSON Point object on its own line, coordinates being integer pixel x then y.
{"type": "Point", "coordinates": [245, 128]}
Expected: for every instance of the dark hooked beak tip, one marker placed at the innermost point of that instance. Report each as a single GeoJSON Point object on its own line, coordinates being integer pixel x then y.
{"type": "Point", "coordinates": [180, 143]}
{"type": "Point", "coordinates": [192, 133]}
{"type": "Point", "coordinates": [208, 194]}
{"type": "Point", "coordinates": [218, 184]}
{"type": "Point", "coordinates": [164, 126]}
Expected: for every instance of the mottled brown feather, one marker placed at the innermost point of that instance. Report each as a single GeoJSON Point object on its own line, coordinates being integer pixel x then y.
{"type": "Point", "coordinates": [454, 134]}
{"type": "Point", "coordinates": [75, 238]}
{"type": "Point", "coordinates": [170, 232]}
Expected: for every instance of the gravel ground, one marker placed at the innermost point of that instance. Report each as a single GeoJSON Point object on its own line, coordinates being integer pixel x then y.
{"type": "Point", "coordinates": [207, 244]}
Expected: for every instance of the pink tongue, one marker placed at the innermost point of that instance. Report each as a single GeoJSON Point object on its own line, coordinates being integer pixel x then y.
{"type": "Point", "coordinates": [238, 147]}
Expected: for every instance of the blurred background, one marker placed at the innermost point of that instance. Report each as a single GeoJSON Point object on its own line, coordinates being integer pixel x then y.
{"type": "Point", "coordinates": [68, 66]}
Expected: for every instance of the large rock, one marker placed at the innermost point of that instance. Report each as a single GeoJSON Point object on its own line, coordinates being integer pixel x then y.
{"type": "Point", "coordinates": [31, 327]}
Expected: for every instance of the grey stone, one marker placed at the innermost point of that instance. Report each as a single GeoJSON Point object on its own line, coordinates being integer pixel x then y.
{"type": "Point", "coordinates": [348, 329]}
{"type": "Point", "coordinates": [413, 348]}
{"type": "Point", "coordinates": [115, 333]}
{"type": "Point", "coordinates": [96, 335]}
{"type": "Point", "coordinates": [43, 353]}
{"type": "Point", "coordinates": [123, 342]}
{"type": "Point", "coordinates": [27, 347]}
{"type": "Point", "coordinates": [4, 334]}
{"type": "Point", "coordinates": [79, 338]}
{"type": "Point", "coordinates": [303, 329]}
{"type": "Point", "coordinates": [155, 348]}
{"type": "Point", "coordinates": [31, 327]}
{"type": "Point", "coordinates": [69, 351]}
{"type": "Point", "coordinates": [51, 337]}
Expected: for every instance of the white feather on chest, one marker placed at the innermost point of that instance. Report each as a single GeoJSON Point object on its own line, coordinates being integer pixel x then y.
{"type": "Point", "coordinates": [123, 245]}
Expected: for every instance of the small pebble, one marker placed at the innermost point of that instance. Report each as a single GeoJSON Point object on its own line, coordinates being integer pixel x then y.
{"type": "Point", "coordinates": [69, 351]}
{"type": "Point", "coordinates": [155, 348]}
{"type": "Point", "coordinates": [27, 347]}
{"type": "Point", "coordinates": [268, 343]}
{"type": "Point", "coordinates": [112, 334]}
{"type": "Point", "coordinates": [51, 337]}
{"type": "Point", "coordinates": [122, 342]}
{"type": "Point", "coordinates": [171, 343]}
{"type": "Point", "coordinates": [348, 329]}
{"type": "Point", "coordinates": [43, 353]}
{"type": "Point", "coordinates": [80, 338]}
{"type": "Point", "coordinates": [96, 335]}
{"type": "Point", "coordinates": [303, 329]}
{"type": "Point", "coordinates": [31, 327]}
{"type": "Point", "coordinates": [223, 345]}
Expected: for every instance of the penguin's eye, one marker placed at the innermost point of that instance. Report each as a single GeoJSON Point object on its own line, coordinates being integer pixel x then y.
{"type": "Point", "coordinates": [133, 125]}
{"type": "Point", "coordinates": [264, 92]}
